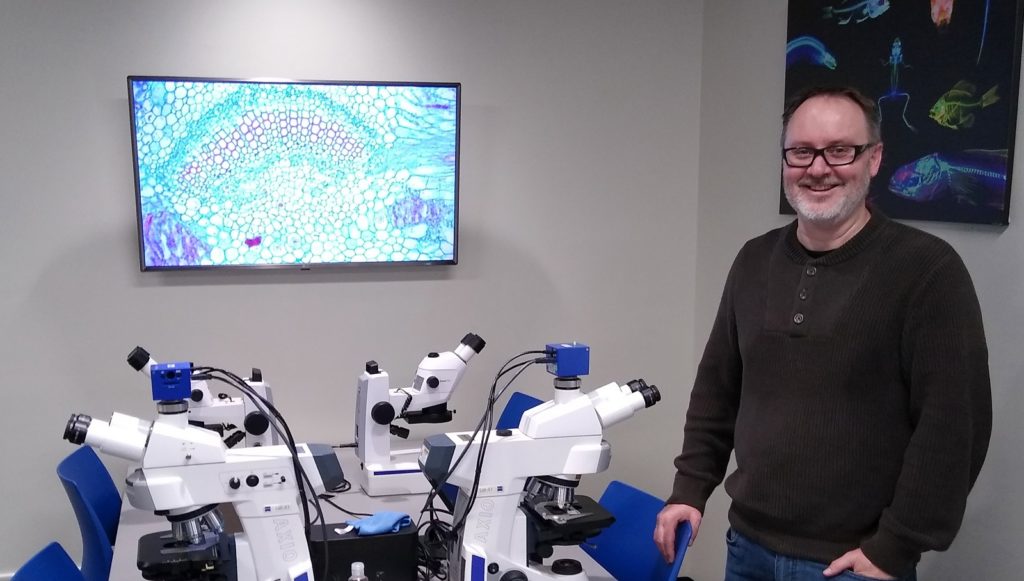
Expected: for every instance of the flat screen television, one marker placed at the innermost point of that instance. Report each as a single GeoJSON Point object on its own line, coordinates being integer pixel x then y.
{"type": "Point", "coordinates": [233, 173]}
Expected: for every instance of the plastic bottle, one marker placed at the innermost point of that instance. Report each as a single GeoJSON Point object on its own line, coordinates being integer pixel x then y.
{"type": "Point", "coordinates": [358, 572]}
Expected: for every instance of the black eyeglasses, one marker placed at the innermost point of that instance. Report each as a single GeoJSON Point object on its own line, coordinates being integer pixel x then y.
{"type": "Point", "coordinates": [833, 155]}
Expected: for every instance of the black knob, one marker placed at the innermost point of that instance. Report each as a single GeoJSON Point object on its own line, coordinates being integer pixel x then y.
{"type": "Point", "coordinates": [514, 575]}
{"type": "Point", "coordinates": [566, 567]}
{"type": "Point", "coordinates": [503, 432]}
{"type": "Point", "coordinates": [256, 423]}
{"type": "Point", "coordinates": [432, 355]}
{"type": "Point", "coordinates": [492, 568]}
{"type": "Point", "coordinates": [252, 480]}
{"type": "Point", "coordinates": [382, 413]}
{"type": "Point", "coordinates": [197, 395]}
{"type": "Point", "coordinates": [256, 375]}
{"type": "Point", "coordinates": [234, 483]}
{"type": "Point", "coordinates": [372, 368]}
{"type": "Point", "coordinates": [433, 381]}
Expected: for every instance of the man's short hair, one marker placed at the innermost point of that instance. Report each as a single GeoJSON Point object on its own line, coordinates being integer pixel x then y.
{"type": "Point", "coordinates": [871, 112]}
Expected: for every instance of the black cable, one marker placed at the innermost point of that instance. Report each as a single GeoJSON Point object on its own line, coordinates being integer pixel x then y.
{"type": "Point", "coordinates": [441, 534]}
{"type": "Point", "coordinates": [276, 421]}
{"type": "Point", "coordinates": [434, 491]}
{"type": "Point", "coordinates": [328, 500]}
{"type": "Point", "coordinates": [445, 533]}
{"type": "Point", "coordinates": [482, 450]}
{"type": "Point", "coordinates": [273, 414]}
{"type": "Point", "coordinates": [433, 539]}
{"type": "Point", "coordinates": [343, 486]}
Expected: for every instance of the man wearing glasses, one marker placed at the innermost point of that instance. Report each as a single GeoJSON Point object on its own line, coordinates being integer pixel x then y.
{"type": "Point", "coordinates": [848, 371]}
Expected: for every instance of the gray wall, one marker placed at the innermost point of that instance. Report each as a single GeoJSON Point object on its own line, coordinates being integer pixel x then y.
{"type": "Point", "coordinates": [744, 47]}
{"type": "Point", "coordinates": [578, 217]}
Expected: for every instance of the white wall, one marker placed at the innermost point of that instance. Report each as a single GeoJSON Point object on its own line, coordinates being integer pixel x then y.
{"type": "Point", "coordinates": [741, 101]}
{"type": "Point", "coordinates": [578, 217]}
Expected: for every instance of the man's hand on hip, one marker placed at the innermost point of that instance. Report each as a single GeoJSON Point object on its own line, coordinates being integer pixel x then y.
{"type": "Point", "coordinates": [857, 562]}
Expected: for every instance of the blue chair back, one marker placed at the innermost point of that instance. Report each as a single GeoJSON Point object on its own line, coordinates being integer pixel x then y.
{"type": "Point", "coordinates": [518, 403]}
{"type": "Point", "coordinates": [626, 549]}
{"type": "Point", "coordinates": [50, 564]}
{"type": "Point", "coordinates": [97, 506]}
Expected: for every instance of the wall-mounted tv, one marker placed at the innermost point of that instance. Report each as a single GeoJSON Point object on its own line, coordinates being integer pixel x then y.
{"type": "Point", "coordinates": [266, 173]}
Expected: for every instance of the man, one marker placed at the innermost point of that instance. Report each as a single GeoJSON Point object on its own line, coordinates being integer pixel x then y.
{"type": "Point", "coordinates": [847, 368]}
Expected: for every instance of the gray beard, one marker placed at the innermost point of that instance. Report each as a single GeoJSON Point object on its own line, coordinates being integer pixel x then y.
{"type": "Point", "coordinates": [831, 215]}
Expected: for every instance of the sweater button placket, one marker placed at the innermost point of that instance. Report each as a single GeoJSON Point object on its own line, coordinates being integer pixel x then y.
{"type": "Point", "coordinates": [809, 271]}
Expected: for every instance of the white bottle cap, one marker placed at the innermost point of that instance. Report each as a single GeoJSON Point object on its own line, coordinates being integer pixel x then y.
{"type": "Point", "coordinates": [358, 569]}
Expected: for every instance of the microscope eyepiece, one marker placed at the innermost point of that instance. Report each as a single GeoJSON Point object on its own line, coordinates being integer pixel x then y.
{"type": "Point", "coordinates": [474, 342]}
{"type": "Point", "coordinates": [138, 358]}
{"type": "Point", "coordinates": [650, 393]}
{"type": "Point", "coordinates": [75, 430]}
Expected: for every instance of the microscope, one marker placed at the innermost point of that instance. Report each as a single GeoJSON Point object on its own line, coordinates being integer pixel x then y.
{"type": "Point", "coordinates": [234, 417]}
{"type": "Point", "coordinates": [395, 471]}
{"type": "Point", "coordinates": [521, 500]}
{"type": "Point", "coordinates": [185, 472]}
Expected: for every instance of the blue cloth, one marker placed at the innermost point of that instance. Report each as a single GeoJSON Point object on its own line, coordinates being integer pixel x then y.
{"type": "Point", "coordinates": [380, 523]}
{"type": "Point", "coordinates": [749, 561]}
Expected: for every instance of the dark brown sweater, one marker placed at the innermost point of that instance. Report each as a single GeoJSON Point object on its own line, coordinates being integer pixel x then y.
{"type": "Point", "coordinates": [854, 389]}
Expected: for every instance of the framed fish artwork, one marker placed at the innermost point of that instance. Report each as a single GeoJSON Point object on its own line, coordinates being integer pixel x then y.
{"type": "Point", "coordinates": [945, 76]}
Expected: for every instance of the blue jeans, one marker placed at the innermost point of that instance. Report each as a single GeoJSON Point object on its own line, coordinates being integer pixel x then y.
{"type": "Point", "coordinates": [749, 561]}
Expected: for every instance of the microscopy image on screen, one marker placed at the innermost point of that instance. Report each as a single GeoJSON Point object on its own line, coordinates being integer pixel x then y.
{"type": "Point", "coordinates": [242, 173]}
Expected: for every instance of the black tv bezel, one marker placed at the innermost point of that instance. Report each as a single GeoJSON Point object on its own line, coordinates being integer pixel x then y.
{"type": "Point", "coordinates": [385, 264]}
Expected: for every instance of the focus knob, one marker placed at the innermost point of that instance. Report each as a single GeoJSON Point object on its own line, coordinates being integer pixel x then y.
{"type": "Point", "coordinates": [514, 575]}
{"type": "Point", "coordinates": [383, 413]}
{"type": "Point", "coordinates": [234, 483]}
{"type": "Point", "coordinates": [256, 423]}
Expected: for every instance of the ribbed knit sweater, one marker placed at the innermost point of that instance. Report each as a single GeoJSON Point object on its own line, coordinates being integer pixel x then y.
{"type": "Point", "coordinates": [854, 390]}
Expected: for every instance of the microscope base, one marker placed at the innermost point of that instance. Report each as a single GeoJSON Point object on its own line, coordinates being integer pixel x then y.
{"type": "Point", "coordinates": [393, 479]}
{"type": "Point", "coordinates": [161, 558]}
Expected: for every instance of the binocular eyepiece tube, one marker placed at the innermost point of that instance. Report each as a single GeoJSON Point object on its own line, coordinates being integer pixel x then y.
{"type": "Point", "coordinates": [124, 436]}
{"type": "Point", "coordinates": [650, 393]}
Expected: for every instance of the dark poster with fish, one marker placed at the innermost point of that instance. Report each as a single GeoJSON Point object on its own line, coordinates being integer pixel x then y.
{"type": "Point", "coordinates": [944, 74]}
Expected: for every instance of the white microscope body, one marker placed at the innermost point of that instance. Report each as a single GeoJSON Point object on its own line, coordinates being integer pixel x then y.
{"type": "Point", "coordinates": [222, 412]}
{"type": "Point", "coordinates": [220, 409]}
{"type": "Point", "coordinates": [386, 470]}
{"type": "Point", "coordinates": [186, 471]}
{"type": "Point", "coordinates": [525, 498]}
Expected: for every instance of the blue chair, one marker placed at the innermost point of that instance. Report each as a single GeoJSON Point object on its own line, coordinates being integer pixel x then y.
{"type": "Point", "coordinates": [97, 506]}
{"type": "Point", "coordinates": [626, 549]}
{"type": "Point", "coordinates": [518, 403]}
{"type": "Point", "coordinates": [50, 564]}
